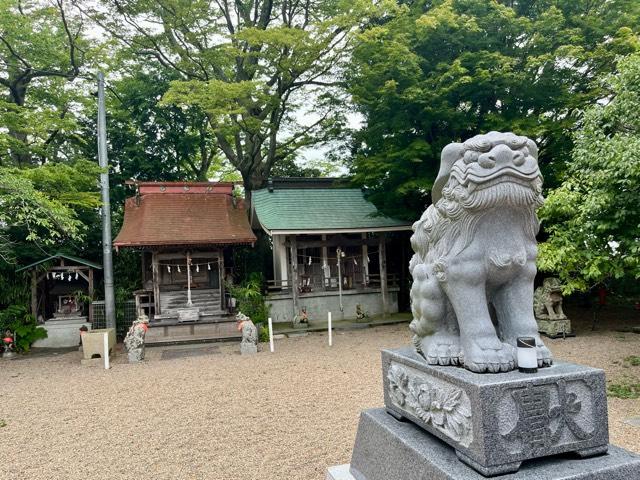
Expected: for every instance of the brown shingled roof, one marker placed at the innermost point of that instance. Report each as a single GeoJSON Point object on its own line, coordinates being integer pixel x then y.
{"type": "Point", "coordinates": [167, 218]}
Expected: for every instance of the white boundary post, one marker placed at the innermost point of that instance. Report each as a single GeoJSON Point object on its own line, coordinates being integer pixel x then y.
{"type": "Point", "coordinates": [106, 350]}
{"type": "Point", "coordinates": [330, 334]}
{"type": "Point", "coordinates": [270, 335]}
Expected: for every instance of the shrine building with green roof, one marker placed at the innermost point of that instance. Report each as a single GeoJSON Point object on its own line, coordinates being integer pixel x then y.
{"type": "Point", "coordinates": [330, 250]}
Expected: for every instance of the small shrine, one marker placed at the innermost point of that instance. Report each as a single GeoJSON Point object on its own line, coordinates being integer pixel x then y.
{"type": "Point", "coordinates": [329, 251]}
{"type": "Point", "coordinates": [58, 284]}
{"type": "Point", "coordinates": [186, 233]}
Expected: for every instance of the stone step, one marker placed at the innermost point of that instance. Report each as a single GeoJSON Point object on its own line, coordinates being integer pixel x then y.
{"type": "Point", "coordinates": [192, 332]}
{"type": "Point", "coordinates": [203, 305]}
{"type": "Point", "coordinates": [211, 314]}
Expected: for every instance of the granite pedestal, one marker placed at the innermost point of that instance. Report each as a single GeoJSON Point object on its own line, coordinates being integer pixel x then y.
{"type": "Point", "coordinates": [496, 421]}
{"type": "Point", "coordinates": [555, 328]}
{"type": "Point", "coordinates": [388, 449]}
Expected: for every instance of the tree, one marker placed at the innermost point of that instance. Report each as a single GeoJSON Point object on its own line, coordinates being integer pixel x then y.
{"type": "Point", "coordinates": [42, 48]}
{"type": "Point", "coordinates": [445, 70]}
{"type": "Point", "coordinates": [44, 206]}
{"type": "Point", "coordinates": [152, 141]}
{"type": "Point", "coordinates": [593, 218]}
{"type": "Point", "coordinates": [249, 65]}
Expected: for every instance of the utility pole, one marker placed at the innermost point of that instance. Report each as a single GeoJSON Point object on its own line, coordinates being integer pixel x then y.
{"type": "Point", "coordinates": [107, 251]}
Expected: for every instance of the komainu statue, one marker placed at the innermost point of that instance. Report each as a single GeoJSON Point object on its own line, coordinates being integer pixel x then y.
{"type": "Point", "coordinates": [134, 341]}
{"type": "Point", "coordinates": [475, 252]}
{"type": "Point", "coordinates": [547, 300]}
{"type": "Point", "coordinates": [249, 343]}
{"type": "Point", "coordinates": [547, 308]}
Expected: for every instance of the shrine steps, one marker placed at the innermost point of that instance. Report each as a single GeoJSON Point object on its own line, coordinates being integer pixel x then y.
{"type": "Point", "coordinates": [209, 328]}
{"type": "Point", "coordinates": [208, 300]}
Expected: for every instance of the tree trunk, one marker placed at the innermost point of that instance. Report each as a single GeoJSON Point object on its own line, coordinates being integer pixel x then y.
{"type": "Point", "coordinates": [17, 95]}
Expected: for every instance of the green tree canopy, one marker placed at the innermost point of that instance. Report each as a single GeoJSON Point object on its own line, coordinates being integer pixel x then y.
{"type": "Point", "coordinates": [44, 206]}
{"type": "Point", "coordinates": [593, 218]}
{"type": "Point", "coordinates": [249, 65]}
{"type": "Point", "coordinates": [43, 47]}
{"type": "Point", "coordinates": [445, 70]}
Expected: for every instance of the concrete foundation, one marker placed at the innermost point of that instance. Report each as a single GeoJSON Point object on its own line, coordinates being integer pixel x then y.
{"type": "Point", "coordinates": [318, 304]}
{"type": "Point", "coordinates": [62, 333]}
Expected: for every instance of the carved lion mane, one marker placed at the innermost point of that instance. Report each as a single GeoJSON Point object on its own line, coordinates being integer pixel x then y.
{"type": "Point", "coordinates": [461, 198]}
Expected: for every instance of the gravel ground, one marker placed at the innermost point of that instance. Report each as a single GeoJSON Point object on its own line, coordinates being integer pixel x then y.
{"type": "Point", "coordinates": [221, 416]}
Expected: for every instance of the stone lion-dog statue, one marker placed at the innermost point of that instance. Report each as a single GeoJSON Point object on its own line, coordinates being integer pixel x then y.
{"type": "Point", "coordinates": [475, 252]}
{"type": "Point", "coordinates": [547, 300]}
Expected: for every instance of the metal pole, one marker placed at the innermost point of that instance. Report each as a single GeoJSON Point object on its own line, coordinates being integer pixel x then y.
{"type": "Point", "coordinates": [107, 255]}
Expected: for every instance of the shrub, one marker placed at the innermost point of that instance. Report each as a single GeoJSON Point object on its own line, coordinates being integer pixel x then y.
{"type": "Point", "coordinates": [250, 299]}
{"type": "Point", "coordinates": [18, 319]}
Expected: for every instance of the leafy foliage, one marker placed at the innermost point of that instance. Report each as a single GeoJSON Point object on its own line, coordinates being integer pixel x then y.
{"type": "Point", "coordinates": [42, 205]}
{"type": "Point", "coordinates": [593, 218]}
{"type": "Point", "coordinates": [249, 66]}
{"type": "Point", "coordinates": [624, 390]}
{"type": "Point", "coordinates": [445, 70]}
{"type": "Point", "coordinates": [151, 141]}
{"type": "Point", "coordinates": [43, 47]}
{"type": "Point", "coordinates": [17, 319]}
{"type": "Point", "coordinates": [250, 299]}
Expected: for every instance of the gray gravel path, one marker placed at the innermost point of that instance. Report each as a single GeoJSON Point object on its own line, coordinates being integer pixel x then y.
{"type": "Point", "coordinates": [222, 416]}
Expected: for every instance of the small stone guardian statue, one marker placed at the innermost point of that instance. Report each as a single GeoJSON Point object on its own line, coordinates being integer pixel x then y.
{"type": "Point", "coordinates": [9, 346]}
{"type": "Point", "coordinates": [547, 306]}
{"type": "Point", "coordinates": [249, 343]}
{"type": "Point", "coordinates": [134, 341]}
{"type": "Point", "coordinates": [475, 251]}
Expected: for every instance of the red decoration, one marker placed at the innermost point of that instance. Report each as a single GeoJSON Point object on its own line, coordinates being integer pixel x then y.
{"type": "Point", "coordinates": [602, 296]}
{"type": "Point", "coordinates": [7, 340]}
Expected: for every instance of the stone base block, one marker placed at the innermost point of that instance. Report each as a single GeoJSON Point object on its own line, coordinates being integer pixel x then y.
{"type": "Point", "coordinates": [248, 348]}
{"type": "Point", "coordinates": [93, 343]}
{"type": "Point", "coordinates": [555, 328]}
{"type": "Point", "coordinates": [496, 421]}
{"type": "Point", "coordinates": [388, 449]}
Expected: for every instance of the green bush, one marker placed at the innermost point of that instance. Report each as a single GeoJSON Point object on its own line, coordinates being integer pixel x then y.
{"type": "Point", "coordinates": [263, 334]}
{"type": "Point", "coordinates": [250, 299]}
{"type": "Point", "coordinates": [18, 319]}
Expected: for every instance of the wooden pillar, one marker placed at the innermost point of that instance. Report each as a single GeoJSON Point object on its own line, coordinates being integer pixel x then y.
{"type": "Point", "coordinates": [155, 269]}
{"type": "Point", "coordinates": [143, 264]}
{"type": "Point", "coordinates": [34, 294]}
{"type": "Point", "coordinates": [382, 254]}
{"type": "Point", "coordinates": [326, 271]}
{"type": "Point", "coordinates": [90, 292]}
{"type": "Point", "coordinates": [293, 266]}
{"type": "Point", "coordinates": [365, 262]}
{"type": "Point", "coordinates": [189, 302]}
{"type": "Point", "coordinates": [222, 277]}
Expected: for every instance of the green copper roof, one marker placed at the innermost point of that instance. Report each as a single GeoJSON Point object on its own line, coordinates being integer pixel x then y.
{"type": "Point", "coordinates": [79, 260]}
{"type": "Point", "coordinates": [318, 209]}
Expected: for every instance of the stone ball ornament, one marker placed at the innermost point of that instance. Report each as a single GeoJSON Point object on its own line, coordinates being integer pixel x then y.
{"type": "Point", "coordinates": [475, 251]}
